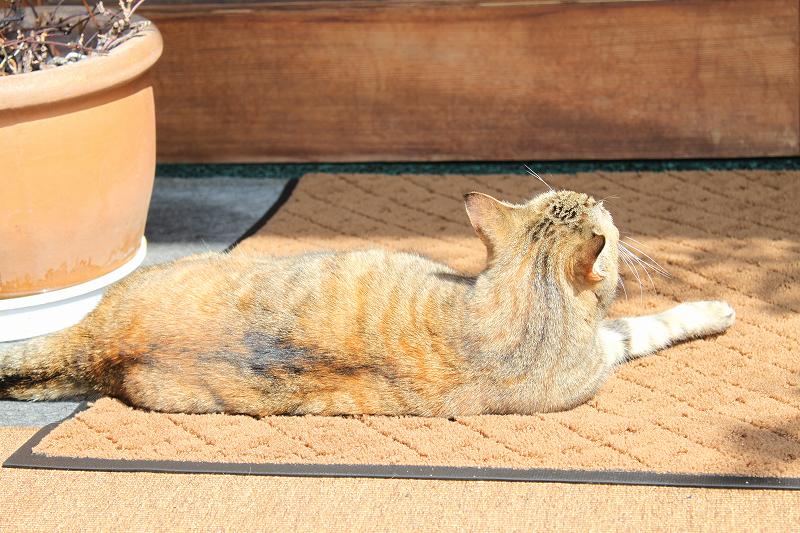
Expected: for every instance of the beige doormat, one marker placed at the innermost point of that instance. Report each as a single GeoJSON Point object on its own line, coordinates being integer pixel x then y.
{"type": "Point", "coordinates": [715, 412]}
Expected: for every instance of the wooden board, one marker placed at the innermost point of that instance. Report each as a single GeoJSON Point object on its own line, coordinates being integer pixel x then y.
{"type": "Point", "coordinates": [460, 80]}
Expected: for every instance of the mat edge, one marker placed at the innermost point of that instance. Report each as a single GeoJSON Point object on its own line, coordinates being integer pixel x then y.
{"type": "Point", "coordinates": [286, 193]}
{"type": "Point", "coordinates": [24, 458]}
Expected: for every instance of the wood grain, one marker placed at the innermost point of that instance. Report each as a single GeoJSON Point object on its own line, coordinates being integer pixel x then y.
{"type": "Point", "coordinates": [461, 80]}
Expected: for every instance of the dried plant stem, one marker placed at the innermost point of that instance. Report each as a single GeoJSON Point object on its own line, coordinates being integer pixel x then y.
{"type": "Point", "coordinates": [32, 39]}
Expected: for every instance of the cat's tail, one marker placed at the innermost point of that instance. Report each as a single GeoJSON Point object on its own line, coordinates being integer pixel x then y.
{"type": "Point", "coordinates": [45, 368]}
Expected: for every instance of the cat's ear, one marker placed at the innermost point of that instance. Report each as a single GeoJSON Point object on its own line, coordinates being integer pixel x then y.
{"type": "Point", "coordinates": [589, 265]}
{"type": "Point", "coordinates": [490, 218]}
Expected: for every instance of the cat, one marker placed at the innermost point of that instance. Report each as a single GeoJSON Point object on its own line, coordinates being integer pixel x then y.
{"type": "Point", "coordinates": [369, 331]}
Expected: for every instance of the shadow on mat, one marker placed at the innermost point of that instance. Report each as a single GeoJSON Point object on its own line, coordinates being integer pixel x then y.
{"type": "Point", "coordinates": [763, 447]}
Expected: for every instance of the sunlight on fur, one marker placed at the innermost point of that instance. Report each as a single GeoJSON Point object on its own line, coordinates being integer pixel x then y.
{"type": "Point", "coordinates": [372, 331]}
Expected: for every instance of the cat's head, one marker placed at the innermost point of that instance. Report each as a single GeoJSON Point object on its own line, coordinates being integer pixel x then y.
{"type": "Point", "coordinates": [569, 234]}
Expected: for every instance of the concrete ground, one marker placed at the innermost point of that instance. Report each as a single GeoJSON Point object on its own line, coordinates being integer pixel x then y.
{"type": "Point", "coordinates": [187, 216]}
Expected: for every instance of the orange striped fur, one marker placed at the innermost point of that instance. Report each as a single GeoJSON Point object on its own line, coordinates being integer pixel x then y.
{"type": "Point", "coordinates": [364, 332]}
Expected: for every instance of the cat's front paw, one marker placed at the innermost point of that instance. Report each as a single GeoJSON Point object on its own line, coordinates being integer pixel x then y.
{"type": "Point", "coordinates": [708, 317]}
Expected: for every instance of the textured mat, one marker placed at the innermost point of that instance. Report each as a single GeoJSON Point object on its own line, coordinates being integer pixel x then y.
{"type": "Point", "coordinates": [727, 405]}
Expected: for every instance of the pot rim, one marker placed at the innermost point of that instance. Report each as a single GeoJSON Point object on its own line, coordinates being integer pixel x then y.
{"type": "Point", "coordinates": [120, 65]}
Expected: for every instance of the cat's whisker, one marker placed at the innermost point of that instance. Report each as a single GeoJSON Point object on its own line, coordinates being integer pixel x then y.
{"type": "Point", "coordinates": [652, 263]}
{"type": "Point", "coordinates": [621, 283]}
{"type": "Point", "coordinates": [537, 176]}
{"type": "Point", "coordinates": [634, 271]}
{"type": "Point", "coordinates": [640, 250]}
{"type": "Point", "coordinates": [638, 260]}
{"type": "Point", "coordinates": [648, 265]}
{"type": "Point", "coordinates": [640, 243]}
{"type": "Point", "coordinates": [641, 247]}
{"type": "Point", "coordinates": [643, 264]}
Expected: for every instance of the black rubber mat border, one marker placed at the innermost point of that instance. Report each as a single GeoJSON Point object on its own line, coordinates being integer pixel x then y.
{"type": "Point", "coordinates": [24, 457]}
{"type": "Point", "coordinates": [286, 193]}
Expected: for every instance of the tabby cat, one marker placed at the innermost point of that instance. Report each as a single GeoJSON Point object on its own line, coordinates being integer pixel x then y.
{"type": "Point", "coordinates": [368, 332]}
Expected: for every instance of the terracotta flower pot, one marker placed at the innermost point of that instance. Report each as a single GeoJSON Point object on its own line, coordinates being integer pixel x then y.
{"type": "Point", "coordinates": [77, 169]}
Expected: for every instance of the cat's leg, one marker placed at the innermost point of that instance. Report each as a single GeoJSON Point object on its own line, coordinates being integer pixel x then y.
{"type": "Point", "coordinates": [628, 338]}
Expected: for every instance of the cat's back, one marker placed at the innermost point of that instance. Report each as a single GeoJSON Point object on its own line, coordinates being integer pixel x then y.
{"type": "Point", "coordinates": [221, 290]}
